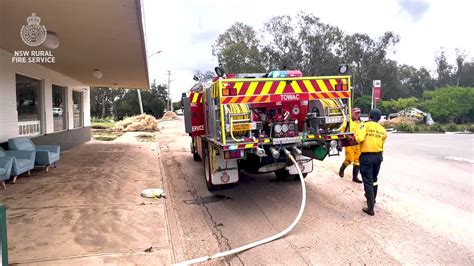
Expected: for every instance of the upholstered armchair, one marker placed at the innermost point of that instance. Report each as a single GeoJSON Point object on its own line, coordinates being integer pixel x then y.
{"type": "Point", "coordinates": [23, 162]}
{"type": "Point", "coordinates": [46, 155]}
{"type": "Point", "coordinates": [5, 169]}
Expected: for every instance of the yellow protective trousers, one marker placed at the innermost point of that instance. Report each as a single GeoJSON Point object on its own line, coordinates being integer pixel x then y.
{"type": "Point", "coordinates": [352, 155]}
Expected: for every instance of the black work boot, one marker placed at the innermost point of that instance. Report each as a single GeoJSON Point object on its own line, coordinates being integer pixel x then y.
{"type": "Point", "coordinates": [355, 174]}
{"type": "Point", "coordinates": [341, 170]}
{"type": "Point", "coordinates": [370, 205]}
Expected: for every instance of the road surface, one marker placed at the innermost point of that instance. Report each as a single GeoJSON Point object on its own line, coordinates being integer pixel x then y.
{"type": "Point", "coordinates": [424, 211]}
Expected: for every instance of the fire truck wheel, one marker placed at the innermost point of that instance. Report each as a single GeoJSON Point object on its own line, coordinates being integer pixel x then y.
{"type": "Point", "coordinates": [284, 175]}
{"type": "Point", "coordinates": [207, 170]}
{"type": "Point", "coordinates": [196, 157]}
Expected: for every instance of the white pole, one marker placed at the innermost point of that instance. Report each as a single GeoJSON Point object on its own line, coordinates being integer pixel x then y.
{"type": "Point", "coordinates": [140, 101]}
{"type": "Point", "coordinates": [372, 100]}
{"type": "Point", "coordinates": [169, 95]}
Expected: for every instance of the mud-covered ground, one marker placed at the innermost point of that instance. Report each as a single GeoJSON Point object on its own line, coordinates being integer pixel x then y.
{"type": "Point", "coordinates": [424, 211]}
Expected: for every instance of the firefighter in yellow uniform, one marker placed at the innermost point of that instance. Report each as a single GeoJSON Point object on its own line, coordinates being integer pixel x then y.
{"type": "Point", "coordinates": [371, 136]}
{"type": "Point", "coordinates": [353, 152]}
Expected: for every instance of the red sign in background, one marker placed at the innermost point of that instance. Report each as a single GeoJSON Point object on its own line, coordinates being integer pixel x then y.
{"type": "Point", "coordinates": [377, 94]}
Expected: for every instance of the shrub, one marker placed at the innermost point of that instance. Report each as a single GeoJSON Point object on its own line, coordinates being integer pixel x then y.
{"type": "Point", "coordinates": [451, 127]}
{"type": "Point", "coordinates": [451, 104]}
{"type": "Point", "coordinates": [394, 106]}
{"type": "Point", "coordinates": [437, 128]}
{"type": "Point", "coordinates": [405, 128]}
{"type": "Point", "coordinates": [469, 128]}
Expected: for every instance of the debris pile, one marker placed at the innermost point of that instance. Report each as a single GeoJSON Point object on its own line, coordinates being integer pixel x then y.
{"type": "Point", "coordinates": [401, 120]}
{"type": "Point", "coordinates": [141, 122]}
{"type": "Point", "coordinates": [170, 115]}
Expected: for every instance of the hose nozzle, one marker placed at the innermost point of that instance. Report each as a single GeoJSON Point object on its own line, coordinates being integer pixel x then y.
{"type": "Point", "coordinates": [260, 152]}
{"type": "Point", "coordinates": [296, 151]}
{"type": "Point", "coordinates": [287, 152]}
{"type": "Point", "coordinates": [274, 152]}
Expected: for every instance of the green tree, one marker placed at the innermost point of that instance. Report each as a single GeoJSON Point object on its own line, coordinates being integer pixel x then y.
{"type": "Point", "coordinates": [103, 101]}
{"type": "Point", "coordinates": [444, 70]}
{"type": "Point", "coordinates": [414, 81]}
{"type": "Point", "coordinates": [466, 76]}
{"type": "Point", "coordinates": [464, 70]}
{"type": "Point", "coordinates": [451, 104]}
{"type": "Point", "coordinates": [283, 50]}
{"type": "Point", "coordinates": [321, 44]}
{"type": "Point", "coordinates": [153, 100]}
{"type": "Point", "coordinates": [363, 102]}
{"type": "Point", "coordinates": [394, 106]}
{"type": "Point", "coordinates": [238, 50]}
{"type": "Point", "coordinates": [368, 60]}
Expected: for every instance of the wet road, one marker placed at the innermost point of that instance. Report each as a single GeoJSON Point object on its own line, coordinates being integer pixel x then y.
{"type": "Point", "coordinates": [424, 210]}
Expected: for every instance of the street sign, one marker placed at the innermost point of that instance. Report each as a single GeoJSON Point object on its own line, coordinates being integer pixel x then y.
{"type": "Point", "coordinates": [376, 92]}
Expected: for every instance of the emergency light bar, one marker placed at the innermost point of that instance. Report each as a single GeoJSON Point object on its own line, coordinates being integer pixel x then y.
{"type": "Point", "coordinates": [285, 74]}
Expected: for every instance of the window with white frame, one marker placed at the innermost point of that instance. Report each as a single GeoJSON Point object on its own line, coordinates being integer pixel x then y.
{"type": "Point", "coordinates": [29, 105]}
{"type": "Point", "coordinates": [77, 108]}
{"type": "Point", "coordinates": [59, 110]}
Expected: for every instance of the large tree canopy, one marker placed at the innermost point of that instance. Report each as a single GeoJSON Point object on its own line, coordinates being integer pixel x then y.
{"type": "Point", "coordinates": [304, 42]}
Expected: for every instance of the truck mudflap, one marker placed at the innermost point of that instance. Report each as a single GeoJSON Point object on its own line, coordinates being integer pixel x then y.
{"type": "Point", "coordinates": [305, 163]}
{"type": "Point", "coordinates": [222, 171]}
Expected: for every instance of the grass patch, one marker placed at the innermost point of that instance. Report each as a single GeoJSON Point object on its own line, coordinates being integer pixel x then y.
{"type": "Point", "coordinates": [105, 137]}
{"type": "Point", "coordinates": [105, 134]}
{"type": "Point", "coordinates": [146, 138]}
{"type": "Point", "coordinates": [102, 124]}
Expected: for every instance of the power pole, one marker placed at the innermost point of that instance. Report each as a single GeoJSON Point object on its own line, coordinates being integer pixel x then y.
{"type": "Point", "coordinates": [140, 101]}
{"type": "Point", "coordinates": [169, 95]}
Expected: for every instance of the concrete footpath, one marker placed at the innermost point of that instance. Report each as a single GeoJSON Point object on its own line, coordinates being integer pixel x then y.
{"type": "Point", "coordinates": [88, 210]}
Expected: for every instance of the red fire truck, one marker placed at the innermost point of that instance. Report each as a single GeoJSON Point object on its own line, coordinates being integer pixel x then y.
{"type": "Point", "coordinates": [252, 122]}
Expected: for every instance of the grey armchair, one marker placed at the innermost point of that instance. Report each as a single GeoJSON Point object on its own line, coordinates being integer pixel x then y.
{"type": "Point", "coordinates": [5, 169]}
{"type": "Point", "coordinates": [46, 155]}
{"type": "Point", "coordinates": [23, 161]}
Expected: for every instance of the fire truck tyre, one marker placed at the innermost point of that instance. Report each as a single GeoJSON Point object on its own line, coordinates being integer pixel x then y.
{"type": "Point", "coordinates": [284, 175]}
{"type": "Point", "coordinates": [207, 171]}
{"type": "Point", "coordinates": [196, 157]}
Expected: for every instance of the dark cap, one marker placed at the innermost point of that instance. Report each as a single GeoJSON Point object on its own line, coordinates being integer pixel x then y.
{"type": "Point", "coordinates": [375, 114]}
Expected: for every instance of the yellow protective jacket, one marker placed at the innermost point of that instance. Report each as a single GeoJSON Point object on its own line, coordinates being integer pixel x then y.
{"type": "Point", "coordinates": [371, 137]}
{"type": "Point", "coordinates": [353, 152]}
{"type": "Point", "coordinates": [355, 125]}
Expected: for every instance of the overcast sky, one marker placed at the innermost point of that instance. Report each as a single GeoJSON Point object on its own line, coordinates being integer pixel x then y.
{"type": "Point", "coordinates": [184, 30]}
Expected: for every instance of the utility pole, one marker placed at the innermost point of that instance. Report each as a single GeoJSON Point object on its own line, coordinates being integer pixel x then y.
{"type": "Point", "coordinates": [169, 95]}
{"type": "Point", "coordinates": [140, 101]}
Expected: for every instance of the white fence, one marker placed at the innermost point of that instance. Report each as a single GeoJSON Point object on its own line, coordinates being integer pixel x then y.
{"type": "Point", "coordinates": [29, 128]}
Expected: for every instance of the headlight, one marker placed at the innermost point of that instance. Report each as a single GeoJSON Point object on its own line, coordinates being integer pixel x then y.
{"type": "Point", "coordinates": [285, 127]}
{"type": "Point", "coordinates": [291, 127]}
{"type": "Point", "coordinates": [277, 128]}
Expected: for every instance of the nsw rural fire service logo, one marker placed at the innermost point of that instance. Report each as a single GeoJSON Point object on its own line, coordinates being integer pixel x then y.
{"type": "Point", "coordinates": [33, 34]}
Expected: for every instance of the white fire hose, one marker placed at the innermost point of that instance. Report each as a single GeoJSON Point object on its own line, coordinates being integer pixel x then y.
{"type": "Point", "coordinates": [266, 240]}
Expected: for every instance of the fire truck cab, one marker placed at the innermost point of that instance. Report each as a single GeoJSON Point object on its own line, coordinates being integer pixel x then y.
{"type": "Point", "coordinates": [252, 122]}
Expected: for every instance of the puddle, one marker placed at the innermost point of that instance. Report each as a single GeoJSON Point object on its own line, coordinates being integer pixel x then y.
{"type": "Point", "coordinates": [208, 199]}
